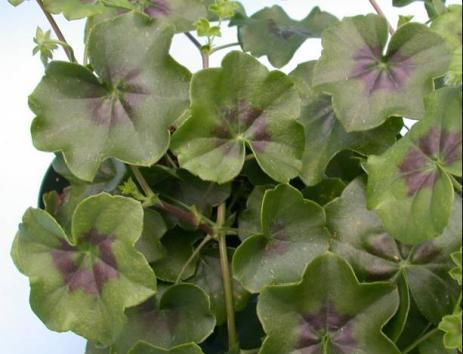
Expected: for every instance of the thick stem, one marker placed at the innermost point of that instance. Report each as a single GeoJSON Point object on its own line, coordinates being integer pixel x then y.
{"type": "Point", "coordinates": [183, 215]}
{"type": "Point", "coordinates": [233, 343]}
{"type": "Point", "coordinates": [381, 13]}
{"type": "Point", "coordinates": [205, 56]}
{"type": "Point", "coordinates": [190, 260]}
{"type": "Point", "coordinates": [420, 340]}
{"type": "Point", "coordinates": [68, 50]}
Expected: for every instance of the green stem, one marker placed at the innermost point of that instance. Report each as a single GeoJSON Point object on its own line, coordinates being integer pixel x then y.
{"type": "Point", "coordinates": [233, 343]}
{"type": "Point", "coordinates": [220, 47]}
{"type": "Point", "coordinates": [67, 48]}
{"type": "Point", "coordinates": [381, 13]}
{"type": "Point", "coordinates": [142, 182]}
{"type": "Point", "coordinates": [420, 340]}
{"type": "Point", "coordinates": [190, 260]}
{"type": "Point", "coordinates": [186, 216]}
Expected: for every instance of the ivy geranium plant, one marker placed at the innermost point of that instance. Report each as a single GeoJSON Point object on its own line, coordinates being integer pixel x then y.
{"type": "Point", "coordinates": [240, 209]}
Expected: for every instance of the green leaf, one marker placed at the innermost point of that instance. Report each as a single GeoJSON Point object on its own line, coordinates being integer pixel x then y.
{"type": "Point", "coordinates": [224, 9]}
{"type": "Point", "coordinates": [204, 29]}
{"type": "Point", "coordinates": [241, 105]}
{"type": "Point", "coordinates": [434, 345]}
{"type": "Point", "coordinates": [126, 112]}
{"type": "Point", "coordinates": [410, 185]}
{"type": "Point", "coordinates": [293, 233]}
{"type": "Point", "coordinates": [324, 134]}
{"type": "Point", "coordinates": [208, 277]}
{"type": "Point", "coordinates": [178, 247]}
{"type": "Point", "coordinates": [451, 326]}
{"type": "Point", "coordinates": [271, 32]}
{"type": "Point", "coordinates": [448, 25]}
{"type": "Point", "coordinates": [145, 348]}
{"type": "Point", "coordinates": [455, 273]}
{"type": "Point", "coordinates": [45, 45]}
{"type": "Point", "coordinates": [183, 14]}
{"type": "Point", "coordinates": [368, 86]}
{"type": "Point", "coordinates": [360, 238]}
{"type": "Point", "coordinates": [150, 243]}
{"type": "Point", "coordinates": [180, 185]}
{"type": "Point", "coordinates": [328, 312]}
{"type": "Point", "coordinates": [249, 219]}
{"type": "Point", "coordinates": [75, 9]}
{"type": "Point", "coordinates": [324, 192]}
{"type": "Point", "coordinates": [15, 2]}
{"type": "Point", "coordinates": [182, 315]}
{"type": "Point", "coordinates": [403, 20]}
{"type": "Point", "coordinates": [62, 205]}
{"type": "Point", "coordinates": [84, 281]}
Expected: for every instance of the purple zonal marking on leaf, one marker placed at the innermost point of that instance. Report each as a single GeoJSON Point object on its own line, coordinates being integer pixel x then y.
{"type": "Point", "coordinates": [239, 119]}
{"type": "Point", "coordinates": [285, 32]}
{"type": "Point", "coordinates": [313, 328]}
{"type": "Point", "coordinates": [71, 263]}
{"type": "Point", "coordinates": [158, 8]}
{"type": "Point", "coordinates": [278, 245]}
{"type": "Point", "coordinates": [418, 168]}
{"type": "Point", "coordinates": [378, 73]}
{"type": "Point", "coordinates": [425, 253]}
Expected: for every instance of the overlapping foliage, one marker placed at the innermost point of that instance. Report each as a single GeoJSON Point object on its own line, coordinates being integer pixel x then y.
{"type": "Point", "coordinates": [241, 209]}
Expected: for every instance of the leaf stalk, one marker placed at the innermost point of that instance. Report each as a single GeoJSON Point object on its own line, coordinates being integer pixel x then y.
{"type": "Point", "coordinates": [381, 13]}
{"type": "Point", "coordinates": [233, 343]}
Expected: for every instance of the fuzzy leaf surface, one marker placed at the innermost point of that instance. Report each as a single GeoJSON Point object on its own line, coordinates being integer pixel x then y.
{"type": "Point", "coordinates": [123, 113]}
{"type": "Point", "coordinates": [293, 233]}
{"type": "Point", "coordinates": [359, 237]}
{"type": "Point", "coordinates": [84, 281]}
{"type": "Point", "coordinates": [368, 86]}
{"type": "Point", "coordinates": [410, 185]}
{"type": "Point", "coordinates": [236, 106]}
{"type": "Point", "coordinates": [324, 134]}
{"type": "Point", "coordinates": [328, 312]}
{"type": "Point", "coordinates": [271, 32]}
{"type": "Point", "coordinates": [179, 316]}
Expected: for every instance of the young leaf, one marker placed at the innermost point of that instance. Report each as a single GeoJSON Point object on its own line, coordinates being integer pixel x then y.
{"type": "Point", "coordinates": [241, 105]}
{"type": "Point", "coordinates": [448, 25]}
{"type": "Point", "coordinates": [360, 238]}
{"type": "Point", "coordinates": [293, 233]}
{"type": "Point", "coordinates": [410, 186]}
{"type": "Point", "coordinates": [328, 312]}
{"type": "Point", "coordinates": [451, 326]}
{"type": "Point", "coordinates": [44, 45]}
{"type": "Point", "coordinates": [84, 281]}
{"type": "Point", "coordinates": [325, 135]}
{"type": "Point", "coordinates": [224, 9]}
{"type": "Point", "coordinates": [126, 115]}
{"type": "Point", "coordinates": [368, 86]}
{"type": "Point", "coordinates": [181, 316]}
{"type": "Point", "coordinates": [434, 345]}
{"type": "Point", "coordinates": [146, 348]}
{"type": "Point", "coordinates": [272, 33]}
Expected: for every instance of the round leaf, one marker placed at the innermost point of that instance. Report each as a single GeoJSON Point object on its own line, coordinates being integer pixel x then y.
{"type": "Point", "coordinates": [410, 185]}
{"type": "Point", "coordinates": [84, 281]}
{"type": "Point", "coordinates": [328, 312]}
{"type": "Point", "coordinates": [293, 233]}
{"type": "Point", "coordinates": [368, 86]}
{"type": "Point", "coordinates": [241, 104]}
{"type": "Point", "coordinates": [125, 113]}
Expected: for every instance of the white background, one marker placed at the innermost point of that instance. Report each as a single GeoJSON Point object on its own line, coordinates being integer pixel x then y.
{"type": "Point", "coordinates": [22, 167]}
